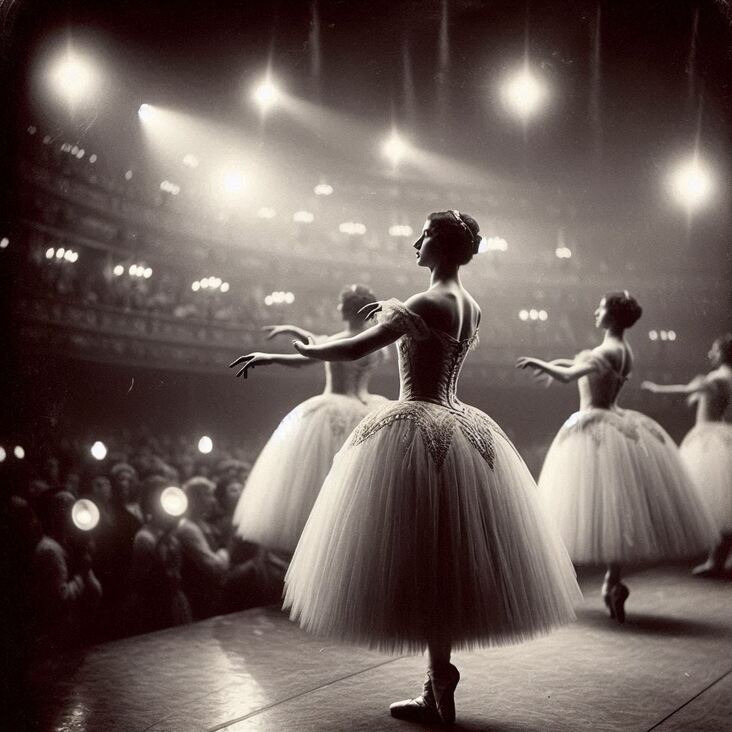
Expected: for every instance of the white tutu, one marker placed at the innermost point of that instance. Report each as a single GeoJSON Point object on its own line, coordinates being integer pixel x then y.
{"type": "Point", "coordinates": [290, 470]}
{"type": "Point", "coordinates": [427, 524]}
{"type": "Point", "coordinates": [614, 483]}
{"type": "Point", "coordinates": [707, 453]}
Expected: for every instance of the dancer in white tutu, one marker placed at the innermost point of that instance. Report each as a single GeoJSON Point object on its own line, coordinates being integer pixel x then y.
{"type": "Point", "coordinates": [427, 531]}
{"type": "Point", "coordinates": [287, 475]}
{"type": "Point", "coordinates": [707, 448]}
{"type": "Point", "coordinates": [613, 480]}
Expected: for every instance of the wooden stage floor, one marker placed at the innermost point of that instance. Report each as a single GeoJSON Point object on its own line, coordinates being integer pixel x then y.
{"type": "Point", "coordinates": [668, 668]}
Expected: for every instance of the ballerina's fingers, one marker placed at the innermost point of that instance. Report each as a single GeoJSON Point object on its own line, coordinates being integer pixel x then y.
{"type": "Point", "coordinates": [375, 307]}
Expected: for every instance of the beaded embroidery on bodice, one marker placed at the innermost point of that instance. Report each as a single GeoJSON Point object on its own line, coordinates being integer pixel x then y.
{"type": "Point", "coordinates": [429, 367]}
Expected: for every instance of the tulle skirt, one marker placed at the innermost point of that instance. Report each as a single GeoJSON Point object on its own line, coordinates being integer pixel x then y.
{"type": "Point", "coordinates": [615, 486]}
{"type": "Point", "coordinates": [287, 475]}
{"type": "Point", "coordinates": [707, 453]}
{"type": "Point", "coordinates": [428, 526]}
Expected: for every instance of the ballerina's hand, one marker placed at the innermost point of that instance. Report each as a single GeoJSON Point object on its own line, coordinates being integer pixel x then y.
{"type": "Point", "coordinates": [250, 361]}
{"type": "Point", "coordinates": [543, 379]}
{"type": "Point", "coordinates": [275, 330]}
{"type": "Point", "coordinates": [525, 362]}
{"type": "Point", "coordinates": [372, 307]}
{"type": "Point", "coordinates": [303, 348]}
{"type": "Point", "coordinates": [649, 386]}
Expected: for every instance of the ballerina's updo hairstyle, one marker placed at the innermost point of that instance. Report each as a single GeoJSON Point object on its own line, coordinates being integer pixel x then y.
{"type": "Point", "coordinates": [459, 232]}
{"type": "Point", "coordinates": [623, 309]}
{"type": "Point", "coordinates": [724, 345]}
{"type": "Point", "coordinates": [353, 298]}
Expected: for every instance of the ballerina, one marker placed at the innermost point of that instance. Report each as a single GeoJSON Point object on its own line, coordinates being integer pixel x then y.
{"type": "Point", "coordinates": [427, 532]}
{"type": "Point", "coordinates": [613, 480]}
{"type": "Point", "coordinates": [287, 475]}
{"type": "Point", "coordinates": [707, 448]}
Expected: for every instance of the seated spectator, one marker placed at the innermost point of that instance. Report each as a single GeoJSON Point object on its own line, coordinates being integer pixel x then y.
{"type": "Point", "coordinates": [204, 568]}
{"type": "Point", "coordinates": [157, 600]}
{"type": "Point", "coordinates": [227, 495]}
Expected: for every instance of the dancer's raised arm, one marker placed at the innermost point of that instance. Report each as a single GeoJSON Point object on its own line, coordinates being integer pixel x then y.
{"type": "Point", "coordinates": [257, 358]}
{"type": "Point", "coordinates": [564, 370]}
{"type": "Point", "coordinates": [294, 330]}
{"type": "Point", "coordinates": [349, 349]}
{"type": "Point", "coordinates": [697, 385]}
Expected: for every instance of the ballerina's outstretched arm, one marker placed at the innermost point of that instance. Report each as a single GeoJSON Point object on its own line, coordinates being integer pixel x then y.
{"type": "Point", "coordinates": [564, 370]}
{"type": "Point", "coordinates": [697, 385]}
{"type": "Point", "coordinates": [350, 349]}
{"type": "Point", "coordinates": [257, 358]}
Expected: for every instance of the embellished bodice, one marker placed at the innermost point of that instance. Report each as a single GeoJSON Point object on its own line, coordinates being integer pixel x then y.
{"type": "Point", "coordinates": [601, 387]}
{"type": "Point", "coordinates": [430, 360]}
{"type": "Point", "coordinates": [429, 366]}
{"type": "Point", "coordinates": [351, 378]}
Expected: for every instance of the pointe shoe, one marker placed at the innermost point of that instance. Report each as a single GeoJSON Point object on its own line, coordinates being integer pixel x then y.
{"type": "Point", "coordinates": [421, 709]}
{"type": "Point", "coordinates": [707, 569]}
{"type": "Point", "coordinates": [444, 683]}
{"type": "Point", "coordinates": [615, 598]}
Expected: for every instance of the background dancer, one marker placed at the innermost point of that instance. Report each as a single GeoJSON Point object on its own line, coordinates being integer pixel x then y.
{"type": "Point", "coordinates": [613, 480]}
{"type": "Point", "coordinates": [707, 448]}
{"type": "Point", "coordinates": [288, 473]}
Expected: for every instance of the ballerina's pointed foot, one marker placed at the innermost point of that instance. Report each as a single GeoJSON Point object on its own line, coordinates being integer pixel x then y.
{"type": "Point", "coordinates": [615, 597]}
{"type": "Point", "coordinates": [708, 569]}
{"type": "Point", "coordinates": [437, 703]}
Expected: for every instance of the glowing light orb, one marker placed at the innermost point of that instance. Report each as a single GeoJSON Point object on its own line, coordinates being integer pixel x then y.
{"type": "Point", "coordinates": [653, 335]}
{"type": "Point", "coordinates": [395, 148]}
{"type": "Point", "coordinates": [4, 242]}
{"type": "Point", "coordinates": [19, 452]}
{"type": "Point", "coordinates": [73, 77]}
{"type": "Point", "coordinates": [266, 213]}
{"type": "Point", "coordinates": [692, 184]}
{"type": "Point", "coordinates": [3, 454]}
{"type": "Point", "coordinates": [98, 450]}
{"type": "Point", "coordinates": [196, 286]}
{"type": "Point", "coordinates": [323, 189]}
{"type": "Point", "coordinates": [174, 501]}
{"type": "Point", "coordinates": [401, 230]}
{"type": "Point", "coordinates": [85, 514]}
{"type": "Point", "coordinates": [190, 161]}
{"type": "Point", "coordinates": [533, 314]}
{"type": "Point", "coordinates": [303, 217]}
{"type": "Point", "coordinates": [50, 252]}
{"type": "Point", "coordinates": [352, 228]}
{"type": "Point", "coordinates": [146, 112]}
{"type": "Point", "coordinates": [233, 181]}
{"type": "Point", "coordinates": [118, 270]}
{"type": "Point", "coordinates": [205, 445]}
{"type": "Point", "coordinates": [524, 314]}
{"type": "Point", "coordinates": [224, 287]}
{"type": "Point", "coordinates": [492, 244]}
{"type": "Point", "coordinates": [672, 335]}
{"type": "Point", "coordinates": [524, 94]}
{"type": "Point", "coordinates": [266, 94]}
{"type": "Point", "coordinates": [543, 315]}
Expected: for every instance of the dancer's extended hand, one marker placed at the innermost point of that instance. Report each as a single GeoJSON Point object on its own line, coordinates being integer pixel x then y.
{"type": "Point", "coordinates": [250, 361]}
{"type": "Point", "coordinates": [303, 348]}
{"type": "Point", "coordinates": [525, 362]}
{"type": "Point", "coordinates": [274, 330]}
{"type": "Point", "coordinates": [649, 386]}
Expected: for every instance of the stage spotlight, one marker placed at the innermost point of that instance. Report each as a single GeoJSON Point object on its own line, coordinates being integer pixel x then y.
{"type": "Point", "coordinates": [233, 181]}
{"type": "Point", "coordinates": [524, 314]}
{"type": "Point", "coordinates": [146, 112]}
{"type": "Point", "coordinates": [128, 175]}
{"type": "Point", "coordinates": [50, 253]}
{"type": "Point", "coordinates": [266, 213]}
{"type": "Point", "coordinates": [196, 286]}
{"type": "Point", "coordinates": [533, 314]}
{"type": "Point", "coordinates": [205, 445]}
{"type": "Point", "coordinates": [303, 217]}
{"type": "Point", "coordinates": [395, 148]}
{"type": "Point", "coordinates": [98, 450]}
{"type": "Point", "coordinates": [691, 184]}
{"type": "Point", "coordinates": [653, 335]}
{"type": "Point", "coordinates": [352, 228]}
{"type": "Point", "coordinates": [3, 454]}
{"type": "Point", "coordinates": [224, 287]}
{"type": "Point", "coordinates": [543, 315]}
{"type": "Point", "coordinates": [19, 452]}
{"type": "Point", "coordinates": [323, 189]}
{"type": "Point", "coordinates": [492, 244]}
{"type": "Point", "coordinates": [147, 273]}
{"type": "Point", "coordinates": [190, 161]}
{"type": "Point", "coordinates": [289, 298]}
{"type": "Point", "coordinates": [672, 335]}
{"type": "Point", "coordinates": [85, 514]}
{"type": "Point", "coordinates": [118, 270]}
{"type": "Point", "coordinates": [174, 501]}
{"type": "Point", "coordinates": [73, 77]}
{"type": "Point", "coordinates": [266, 94]}
{"type": "Point", "coordinates": [523, 93]}
{"type": "Point", "coordinates": [60, 253]}
{"type": "Point", "coordinates": [93, 158]}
